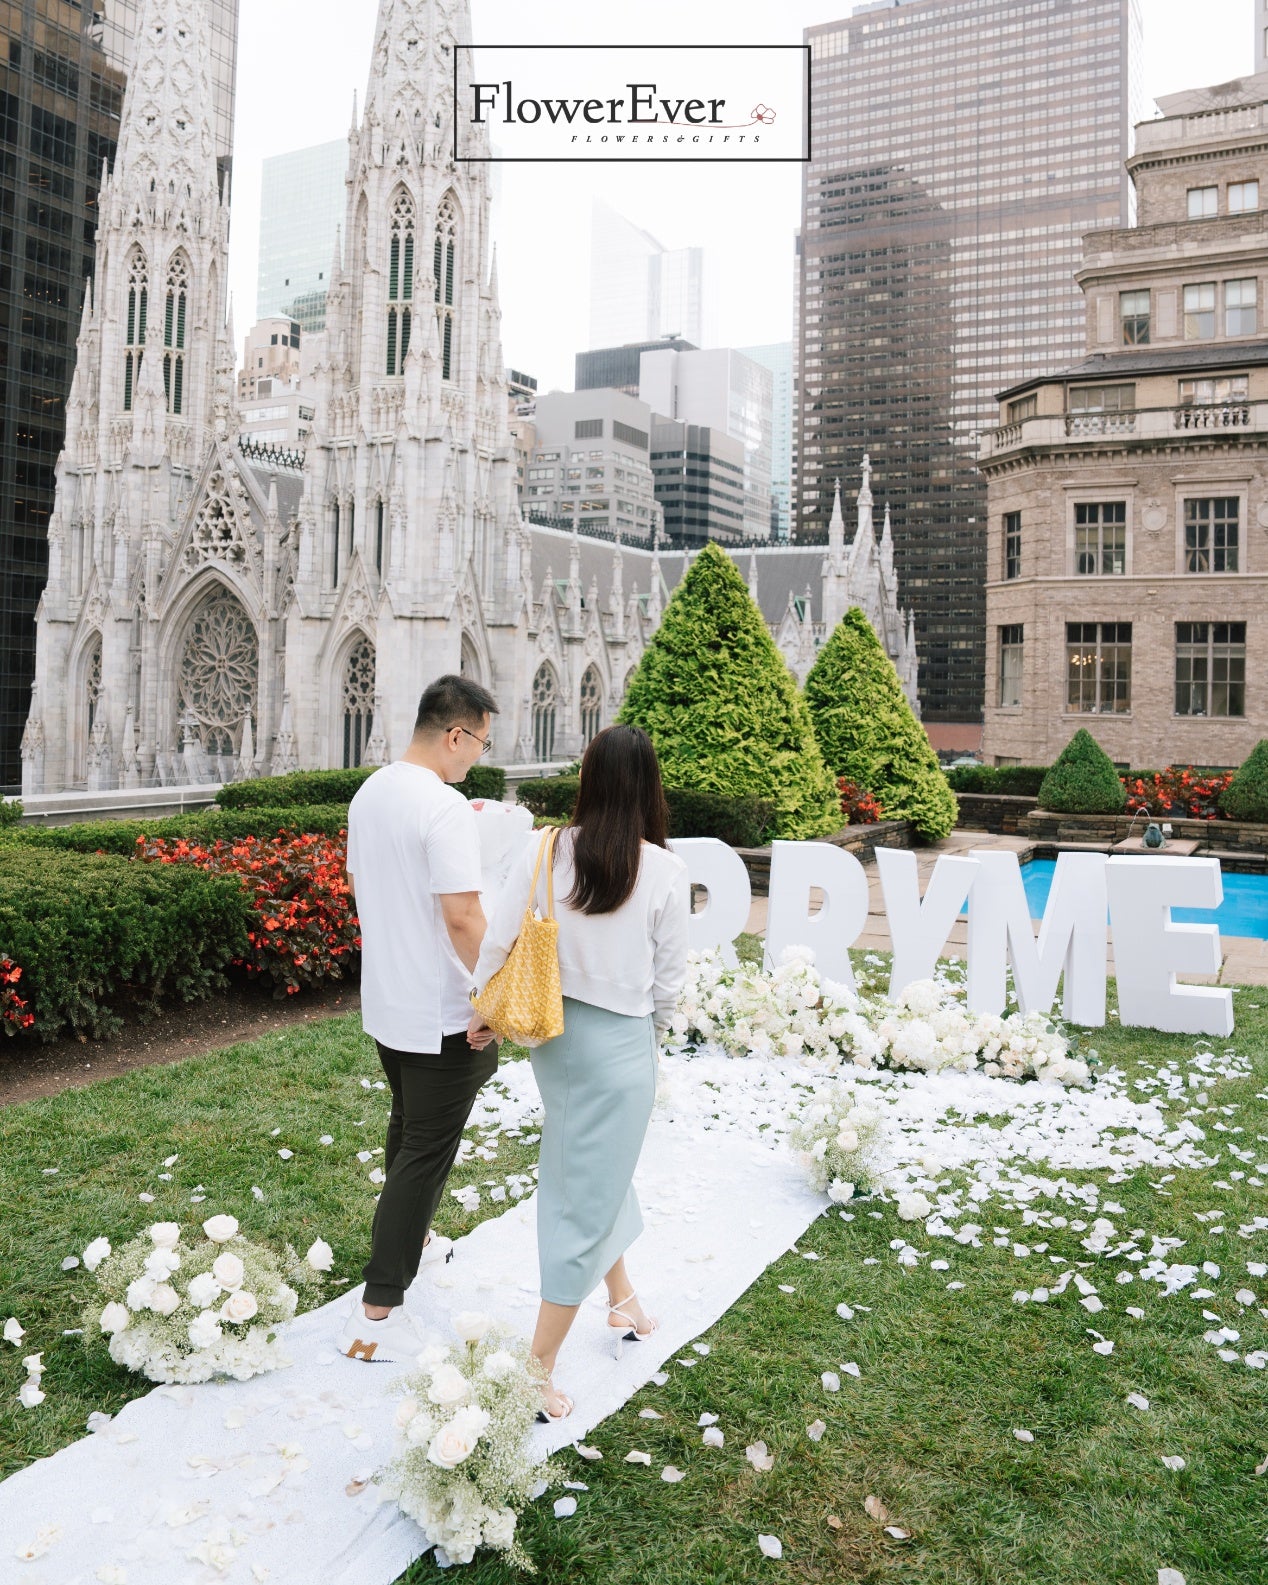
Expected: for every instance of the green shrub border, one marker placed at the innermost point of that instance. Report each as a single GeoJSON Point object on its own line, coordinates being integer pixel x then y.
{"type": "Point", "coordinates": [740, 822]}
{"type": "Point", "coordinates": [314, 788]}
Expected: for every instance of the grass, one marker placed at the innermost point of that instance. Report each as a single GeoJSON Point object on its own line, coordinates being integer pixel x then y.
{"type": "Point", "coordinates": [927, 1427]}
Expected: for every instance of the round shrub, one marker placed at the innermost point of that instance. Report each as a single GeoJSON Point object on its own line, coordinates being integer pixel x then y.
{"type": "Point", "coordinates": [1083, 780]}
{"type": "Point", "coordinates": [1246, 796]}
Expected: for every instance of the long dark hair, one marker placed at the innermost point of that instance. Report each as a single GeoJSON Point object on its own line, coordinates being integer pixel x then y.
{"type": "Point", "coordinates": [620, 805]}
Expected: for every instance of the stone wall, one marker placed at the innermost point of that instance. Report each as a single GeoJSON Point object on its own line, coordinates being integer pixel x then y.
{"type": "Point", "coordinates": [860, 840]}
{"type": "Point", "coordinates": [1232, 839]}
{"type": "Point", "coordinates": [994, 812]}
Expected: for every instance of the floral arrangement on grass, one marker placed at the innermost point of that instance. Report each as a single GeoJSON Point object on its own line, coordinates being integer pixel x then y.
{"type": "Point", "coordinates": [840, 1140]}
{"type": "Point", "coordinates": [15, 1013]}
{"type": "Point", "coordinates": [178, 1311]}
{"type": "Point", "coordinates": [793, 1012]}
{"type": "Point", "coordinates": [465, 1471]}
{"type": "Point", "coordinates": [1184, 793]}
{"type": "Point", "coordinates": [305, 928]}
{"type": "Point", "coordinates": [857, 805]}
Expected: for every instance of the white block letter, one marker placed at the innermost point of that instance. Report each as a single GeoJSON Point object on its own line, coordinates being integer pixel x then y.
{"type": "Point", "coordinates": [720, 870]}
{"type": "Point", "coordinates": [1071, 939]}
{"type": "Point", "coordinates": [1149, 951]}
{"type": "Point", "coordinates": [919, 930]}
{"type": "Point", "coordinates": [794, 868]}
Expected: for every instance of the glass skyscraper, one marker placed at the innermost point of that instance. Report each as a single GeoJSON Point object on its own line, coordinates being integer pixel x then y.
{"type": "Point", "coordinates": [961, 149]}
{"type": "Point", "coordinates": [62, 78]}
{"type": "Point", "coordinates": [777, 357]}
{"type": "Point", "coordinates": [640, 290]}
{"type": "Point", "coordinates": [303, 206]}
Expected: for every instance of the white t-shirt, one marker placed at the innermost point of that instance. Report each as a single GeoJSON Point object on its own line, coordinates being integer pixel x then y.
{"type": "Point", "coordinates": [411, 840]}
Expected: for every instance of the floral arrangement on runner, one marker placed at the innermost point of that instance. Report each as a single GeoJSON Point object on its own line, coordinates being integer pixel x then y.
{"type": "Point", "coordinates": [185, 1311]}
{"type": "Point", "coordinates": [465, 1471]}
{"type": "Point", "coordinates": [793, 1012]}
{"type": "Point", "coordinates": [840, 1140]}
{"type": "Point", "coordinates": [306, 928]}
{"type": "Point", "coordinates": [15, 1013]}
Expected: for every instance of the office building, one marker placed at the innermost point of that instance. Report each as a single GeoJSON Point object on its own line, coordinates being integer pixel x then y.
{"type": "Point", "coordinates": [962, 148]}
{"type": "Point", "coordinates": [726, 393]}
{"type": "Point", "coordinates": [270, 352]}
{"type": "Point", "coordinates": [699, 474]}
{"type": "Point", "coordinates": [777, 357]}
{"type": "Point", "coordinates": [620, 368]}
{"type": "Point", "coordinates": [639, 289]}
{"type": "Point", "coordinates": [303, 199]}
{"type": "Point", "coordinates": [1261, 35]}
{"type": "Point", "coordinates": [1128, 493]}
{"type": "Point", "coordinates": [590, 466]}
{"type": "Point", "coordinates": [62, 76]}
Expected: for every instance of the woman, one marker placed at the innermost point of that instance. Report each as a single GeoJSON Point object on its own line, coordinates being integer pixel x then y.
{"type": "Point", "coordinates": [623, 902]}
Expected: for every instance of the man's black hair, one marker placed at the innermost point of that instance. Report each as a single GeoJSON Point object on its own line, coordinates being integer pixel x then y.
{"type": "Point", "coordinates": [454, 701]}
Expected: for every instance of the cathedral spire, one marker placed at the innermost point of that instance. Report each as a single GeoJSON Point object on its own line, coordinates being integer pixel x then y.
{"type": "Point", "coordinates": [836, 528]}
{"type": "Point", "coordinates": [412, 75]}
{"type": "Point", "coordinates": [166, 143]}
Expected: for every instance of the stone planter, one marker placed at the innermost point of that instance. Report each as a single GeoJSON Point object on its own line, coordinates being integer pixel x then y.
{"type": "Point", "coordinates": [1239, 841]}
{"type": "Point", "coordinates": [862, 841]}
{"type": "Point", "coordinates": [998, 813]}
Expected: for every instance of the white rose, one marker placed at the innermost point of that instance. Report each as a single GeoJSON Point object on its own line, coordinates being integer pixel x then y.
{"type": "Point", "coordinates": [96, 1252]}
{"type": "Point", "coordinates": [471, 1325]}
{"type": "Point", "coordinates": [320, 1256]}
{"type": "Point", "coordinates": [847, 1140]}
{"type": "Point", "coordinates": [913, 1207]}
{"type": "Point", "coordinates": [839, 1191]}
{"type": "Point", "coordinates": [114, 1318]}
{"type": "Point", "coordinates": [204, 1290]}
{"type": "Point", "coordinates": [138, 1294]}
{"type": "Point", "coordinates": [204, 1330]}
{"type": "Point", "coordinates": [164, 1299]}
{"type": "Point", "coordinates": [408, 1408]}
{"type": "Point", "coordinates": [161, 1263]}
{"type": "Point", "coordinates": [29, 1395]}
{"type": "Point", "coordinates": [220, 1229]}
{"type": "Point", "coordinates": [457, 1441]}
{"type": "Point", "coordinates": [500, 1366]}
{"type": "Point", "coordinates": [228, 1271]}
{"type": "Point", "coordinates": [448, 1386]}
{"type": "Point", "coordinates": [166, 1235]}
{"type": "Point", "coordinates": [239, 1307]}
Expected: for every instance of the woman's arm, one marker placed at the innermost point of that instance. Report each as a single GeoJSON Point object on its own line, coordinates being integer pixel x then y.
{"type": "Point", "coordinates": [669, 950]}
{"type": "Point", "coordinates": [508, 913]}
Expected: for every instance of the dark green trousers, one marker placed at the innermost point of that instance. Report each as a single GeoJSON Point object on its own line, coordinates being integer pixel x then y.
{"type": "Point", "coordinates": [432, 1097]}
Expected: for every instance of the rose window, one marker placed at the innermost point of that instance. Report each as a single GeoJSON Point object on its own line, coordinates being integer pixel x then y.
{"type": "Point", "coordinates": [219, 671]}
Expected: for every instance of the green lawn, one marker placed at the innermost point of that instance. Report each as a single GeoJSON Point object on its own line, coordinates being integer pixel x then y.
{"type": "Point", "coordinates": [927, 1427]}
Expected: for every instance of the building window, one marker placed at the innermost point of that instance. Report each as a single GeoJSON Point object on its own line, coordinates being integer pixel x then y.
{"type": "Point", "coordinates": [1098, 667]}
{"type": "Point", "coordinates": [444, 266]}
{"type": "Point", "coordinates": [1211, 533]}
{"type": "Point", "coordinates": [1100, 538]}
{"type": "Point", "coordinates": [400, 284]}
{"type": "Point", "coordinates": [1204, 202]}
{"type": "Point", "coordinates": [588, 429]}
{"type": "Point", "coordinates": [378, 537]}
{"type": "Point", "coordinates": [1242, 197]}
{"type": "Point", "coordinates": [1210, 392]}
{"type": "Point", "coordinates": [1239, 307]}
{"type": "Point", "coordinates": [545, 698]}
{"type": "Point", "coordinates": [1211, 668]}
{"type": "Point", "coordinates": [591, 705]}
{"type": "Point", "coordinates": [1102, 399]}
{"type": "Point", "coordinates": [334, 544]}
{"type": "Point", "coordinates": [358, 702]}
{"type": "Point", "coordinates": [1012, 544]}
{"type": "Point", "coordinates": [1010, 654]}
{"type": "Point", "coordinates": [138, 312]}
{"type": "Point", "coordinates": [1023, 408]}
{"type": "Point", "coordinates": [1199, 311]}
{"type": "Point", "coordinates": [174, 318]}
{"type": "Point", "coordinates": [1133, 314]}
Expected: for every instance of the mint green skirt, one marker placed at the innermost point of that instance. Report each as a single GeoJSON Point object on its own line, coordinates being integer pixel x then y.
{"type": "Point", "coordinates": [598, 1085]}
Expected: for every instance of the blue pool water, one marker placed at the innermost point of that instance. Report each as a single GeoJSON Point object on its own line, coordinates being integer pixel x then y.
{"type": "Point", "coordinates": [1244, 911]}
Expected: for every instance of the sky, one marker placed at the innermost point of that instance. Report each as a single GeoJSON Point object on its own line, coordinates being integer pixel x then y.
{"type": "Point", "coordinates": [300, 63]}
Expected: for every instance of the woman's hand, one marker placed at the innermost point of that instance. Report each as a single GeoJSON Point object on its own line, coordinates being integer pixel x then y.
{"type": "Point", "coordinates": [479, 1034]}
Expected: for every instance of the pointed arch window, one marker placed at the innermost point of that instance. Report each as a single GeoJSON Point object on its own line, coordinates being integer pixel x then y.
{"type": "Point", "coordinates": [444, 268]}
{"type": "Point", "coordinates": [545, 701]}
{"type": "Point", "coordinates": [138, 313]}
{"type": "Point", "coordinates": [174, 329]}
{"type": "Point", "coordinates": [591, 705]}
{"type": "Point", "coordinates": [358, 702]}
{"type": "Point", "coordinates": [90, 700]}
{"type": "Point", "coordinates": [400, 283]}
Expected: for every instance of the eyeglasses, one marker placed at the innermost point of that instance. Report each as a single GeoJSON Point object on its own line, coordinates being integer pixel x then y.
{"type": "Point", "coordinates": [486, 743]}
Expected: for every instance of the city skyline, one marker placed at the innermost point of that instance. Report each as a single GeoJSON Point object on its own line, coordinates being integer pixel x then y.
{"type": "Point", "coordinates": [749, 267]}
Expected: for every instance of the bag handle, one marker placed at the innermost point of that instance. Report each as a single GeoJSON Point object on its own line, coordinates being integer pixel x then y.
{"type": "Point", "coordinates": [547, 847]}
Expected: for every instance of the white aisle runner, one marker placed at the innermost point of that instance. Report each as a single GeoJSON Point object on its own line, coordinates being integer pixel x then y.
{"type": "Point", "coordinates": [245, 1482]}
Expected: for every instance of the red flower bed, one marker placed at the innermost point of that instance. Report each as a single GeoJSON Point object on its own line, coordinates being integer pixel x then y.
{"type": "Point", "coordinates": [859, 807]}
{"type": "Point", "coordinates": [14, 1013]}
{"type": "Point", "coordinates": [1182, 793]}
{"type": "Point", "coordinates": [305, 928]}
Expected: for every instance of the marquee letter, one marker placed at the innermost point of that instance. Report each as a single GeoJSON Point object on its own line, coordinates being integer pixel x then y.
{"type": "Point", "coordinates": [918, 930]}
{"type": "Point", "coordinates": [1149, 951]}
{"type": "Point", "coordinates": [720, 870]}
{"type": "Point", "coordinates": [1071, 938]}
{"type": "Point", "coordinates": [794, 868]}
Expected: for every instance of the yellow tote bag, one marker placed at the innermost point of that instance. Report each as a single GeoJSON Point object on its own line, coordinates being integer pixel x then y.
{"type": "Point", "coordinates": [524, 1000]}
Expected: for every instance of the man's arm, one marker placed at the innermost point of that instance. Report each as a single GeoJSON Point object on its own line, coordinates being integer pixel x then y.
{"type": "Point", "coordinates": [352, 886]}
{"type": "Point", "coordinates": [465, 922]}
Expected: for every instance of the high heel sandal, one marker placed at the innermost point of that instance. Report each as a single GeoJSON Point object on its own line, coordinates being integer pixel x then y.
{"type": "Point", "coordinates": [633, 1335]}
{"type": "Point", "coordinates": [544, 1416]}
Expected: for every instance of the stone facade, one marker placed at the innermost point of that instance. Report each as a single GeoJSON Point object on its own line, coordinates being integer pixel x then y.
{"type": "Point", "coordinates": [1127, 540]}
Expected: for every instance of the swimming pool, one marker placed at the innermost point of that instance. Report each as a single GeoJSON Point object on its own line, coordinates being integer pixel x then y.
{"type": "Point", "coordinates": [1244, 911]}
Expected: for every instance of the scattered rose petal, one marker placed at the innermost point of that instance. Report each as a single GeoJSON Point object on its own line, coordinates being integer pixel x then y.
{"type": "Point", "coordinates": [1244, 1296]}
{"type": "Point", "coordinates": [354, 1488]}
{"type": "Point", "coordinates": [286, 1154]}
{"type": "Point", "coordinates": [815, 1430]}
{"type": "Point", "coordinates": [876, 1509]}
{"type": "Point", "coordinates": [786, 1287]}
{"type": "Point", "coordinates": [1103, 1347]}
{"type": "Point", "coordinates": [835, 1523]}
{"type": "Point", "coordinates": [1137, 1400]}
{"type": "Point", "coordinates": [98, 1421]}
{"type": "Point", "coordinates": [845, 1312]}
{"type": "Point", "coordinates": [649, 1414]}
{"type": "Point", "coordinates": [1136, 1314]}
{"type": "Point", "coordinates": [575, 1485]}
{"type": "Point", "coordinates": [707, 1419]}
{"type": "Point", "coordinates": [1024, 1436]}
{"type": "Point", "coordinates": [771, 1546]}
{"type": "Point", "coordinates": [660, 1377]}
{"type": "Point", "coordinates": [591, 1454]}
{"type": "Point", "coordinates": [145, 1199]}
{"type": "Point", "coordinates": [326, 1139]}
{"type": "Point", "coordinates": [635, 1457]}
{"type": "Point", "coordinates": [565, 1507]}
{"type": "Point", "coordinates": [831, 1381]}
{"type": "Point", "coordinates": [759, 1456]}
{"type": "Point", "coordinates": [851, 1369]}
{"type": "Point", "coordinates": [713, 1437]}
{"type": "Point", "coordinates": [45, 1537]}
{"type": "Point", "coordinates": [1262, 1469]}
{"type": "Point", "coordinates": [70, 1262]}
{"type": "Point", "coordinates": [1170, 1576]}
{"type": "Point", "coordinates": [672, 1475]}
{"type": "Point", "coordinates": [701, 1348]}
{"type": "Point", "coordinates": [1173, 1461]}
{"type": "Point", "coordinates": [897, 1533]}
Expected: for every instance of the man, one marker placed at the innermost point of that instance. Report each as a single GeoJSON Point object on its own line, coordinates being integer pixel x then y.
{"type": "Point", "coordinates": [414, 866]}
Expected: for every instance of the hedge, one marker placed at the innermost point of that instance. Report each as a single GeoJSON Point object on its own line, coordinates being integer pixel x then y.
{"type": "Point", "coordinates": [122, 836]}
{"type": "Point", "coordinates": [1005, 781]}
{"type": "Point", "coordinates": [10, 812]}
{"type": "Point", "coordinates": [1083, 780]}
{"type": "Point", "coordinates": [93, 934]}
{"type": "Point", "coordinates": [1246, 796]}
{"type": "Point", "coordinates": [741, 822]}
{"type": "Point", "coordinates": [308, 788]}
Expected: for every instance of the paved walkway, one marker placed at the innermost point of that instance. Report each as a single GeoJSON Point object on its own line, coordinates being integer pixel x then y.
{"type": "Point", "coordinates": [1245, 958]}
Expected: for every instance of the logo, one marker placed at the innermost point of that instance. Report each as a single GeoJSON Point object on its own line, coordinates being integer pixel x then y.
{"type": "Point", "coordinates": [662, 102]}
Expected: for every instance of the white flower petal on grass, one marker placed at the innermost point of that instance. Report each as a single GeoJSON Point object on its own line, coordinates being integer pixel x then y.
{"type": "Point", "coordinates": [634, 1456]}
{"type": "Point", "coordinates": [326, 1139]}
{"type": "Point", "coordinates": [649, 1414]}
{"type": "Point", "coordinates": [70, 1262]}
{"type": "Point", "coordinates": [713, 1437]}
{"type": "Point", "coordinates": [1137, 1400]}
{"type": "Point", "coordinates": [1136, 1314]}
{"type": "Point", "coordinates": [145, 1199]}
{"type": "Point", "coordinates": [815, 1430]}
{"type": "Point", "coordinates": [707, 1419]}
{"type": "Point", "coordinates": [257, 1191]}
{"type": "Point", "coordinates": [98, 1421]}
{"type": "Point", "coordinates": [660, 1377]}
{"type": "Point", "coordinates": [33, 1364]}
{"type": "Point", "coordinates": [1103, 1347]}
{"type": "Point", "coordinates": [320, 1256]}
{"type": "Point", "coordinates": [286, 1154]}
{"type": "Point", "coordinates": [565, 1507]}
{"type": "Point", "coordinates": [13, 1333]}
{"type": "Point", "coordinates": [96, 1252]}
{"type": "Point", "coordinates": [590, 1454]}
{"type": "Point", "coordinates": [845, 1312]}
{"type": "Point", "coordinates": [1257, 1268]}
{"type": "Point", "coordinates": [1170, 1576]}
{"type": "Point", "coordinates": [365, 1155]}
{"type": "Point", "coordinates": [1244, 1296]}
{"type": "Point", "coordinates": [898, 1533]}
{"type": "Point", "coordinates": [1173, 1461]}
{"type": "Point", "coordinates": [377, 1176]}
{"type": "Point", "coordinates": [831, 1381]}
{"type": "Point", "coordinates": [759, 1456]}
{"type": "Point", "coordinates": [851, 1369]}
{"type": "Point", "coordinates": [771, 1546]}
{"type": "Point", "coordinates": [702, 1348]}
{"type": "Point", "coordinates": [575, 1485]}
{"type": "Point", "coordinates": [671, 1474]}
{"type": "Point", "coordinates": [875, 1509]}
{"type": "Point", "coordinates": [29, 1394]}
{"type": "Point", "coordinates": [1024, 1436]}
{"type": "Point", "coordinates": [786, 1287]}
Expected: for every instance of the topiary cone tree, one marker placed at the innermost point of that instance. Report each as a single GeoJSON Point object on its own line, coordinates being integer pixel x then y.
{"type": "Point", "coordinates": [1083, 780]}
{"type": "Point", "coordinates": [717, 699]}
{"type": "Point", "coordinates": [869, 732]}
{"type": "Point", "coordinates": [1246, 796]}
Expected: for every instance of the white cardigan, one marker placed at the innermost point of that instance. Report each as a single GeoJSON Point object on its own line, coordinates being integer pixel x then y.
{"type": "Point", "coordinates": [633, 960]}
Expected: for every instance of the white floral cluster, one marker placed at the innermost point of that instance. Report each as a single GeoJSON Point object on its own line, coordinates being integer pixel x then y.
{"type": "Point", "coordinates": [465, 1471]}
{"type": "Point", "coordinates": [185, 1312]}
{"type": "Point", "coordinates": [793, 1012]}
{"type": "Point", "coordinates": [840, 1140]}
